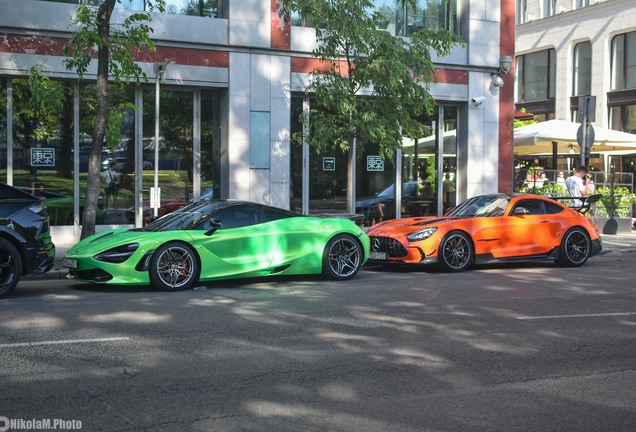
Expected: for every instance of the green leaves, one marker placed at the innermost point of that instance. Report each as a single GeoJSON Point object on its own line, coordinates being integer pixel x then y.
{"type": "Point", "coordinates": [364, 96]}
{"type": "Point", "coordinates": [132, 34]}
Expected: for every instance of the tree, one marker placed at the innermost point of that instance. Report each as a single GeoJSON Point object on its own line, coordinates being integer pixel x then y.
{"type": "Point", "coordinates": [359, 57]}
{"type": "Point", "coordinates": [114, 45]}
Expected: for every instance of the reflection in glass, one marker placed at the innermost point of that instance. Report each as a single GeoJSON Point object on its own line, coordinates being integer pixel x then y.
{"type": "Point", "coordinates": [43, 148]}
{"type": "Point", "coordinates": [404, 20]}
{"type": "Point", "coordinates": [583, 69]}
{"type": "Point", "coordinates": [296, 159]}
{"type": "Point", "coordinates": [419, 169]}
{"type": "Point", "coordinates": [375, 178]}
{"type": "Point", "coordinates": [618, 57]}
{"type": "Point", "coordinates": [210, 172]}
{"type": "Point", "coordinates": [449, 181]}
{"type": "Point", "coordinates": [327, 178]}
{"type": "Point", "coordinates": [116, 200]}
{"type": "Point", "coordinates": [175, 148]}
{"type": "Point", "coordinates": [3, 131]}
{"type": "Point", "coordinates": [203, 8]}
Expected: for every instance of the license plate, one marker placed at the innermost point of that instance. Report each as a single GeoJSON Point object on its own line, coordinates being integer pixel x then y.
{"type": "Point", "coordinates": [70, 263]}
{"type": "Point", "coordinates": [377, 255]}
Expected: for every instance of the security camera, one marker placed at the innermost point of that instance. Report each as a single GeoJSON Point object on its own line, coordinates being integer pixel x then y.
{"type": "Point", "coordinates": [478, 100]}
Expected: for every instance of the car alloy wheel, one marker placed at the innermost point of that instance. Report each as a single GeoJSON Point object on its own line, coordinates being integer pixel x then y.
{"type": "Point", "coordinates": [342, 258]}
{"type": "Point", "coordinates": [173, 267]}
{"type": "Point", "coordinates": [575, 248]}
{"type": "Point", "coordinates": [455, 252]}
{"type": "Point", "coordinates": [10, 267]}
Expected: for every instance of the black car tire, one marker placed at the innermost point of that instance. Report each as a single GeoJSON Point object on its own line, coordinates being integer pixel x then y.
{"type": "Point", "coordinates": [455, 252]}
{"type": "Point", "coordinates": [575, 248]}
{"type": "Point", "coordinates": [10, 267]}
{"type": "Point", "coordinates": [342, 257]}
{"type": "Point", "coordinates": [174, 267]}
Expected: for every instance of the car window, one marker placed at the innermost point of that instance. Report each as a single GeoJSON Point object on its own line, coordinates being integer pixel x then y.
{"type": "Point", "coordinates": [483, 206]}
{"type": "Point", "coordinates": [239, 216]}
{"type": "Point", "coordinates": [552, 208]}
{"type": "Point", "coordinates": [274, 214]}
{"type": "Point", "coordinates": [535, 207]}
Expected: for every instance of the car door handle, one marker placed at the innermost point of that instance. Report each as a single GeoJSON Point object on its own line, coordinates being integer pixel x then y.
{"type": "Point", "coordinates": [544, 220]}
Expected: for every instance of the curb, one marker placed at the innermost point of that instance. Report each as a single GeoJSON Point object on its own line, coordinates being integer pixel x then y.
{"type": "Point", "coordinates": [58, 274]}
{"type": "Point", "coordinates": [50, 275]}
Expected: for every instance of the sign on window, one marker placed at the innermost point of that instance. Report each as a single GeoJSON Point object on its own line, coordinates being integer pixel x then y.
{"type": "Point", "coordinates": [42, 157]}
{"type": "Point", "coordinates": [329, 164]}
{"type": "Point", "coordinates": [375, 163]}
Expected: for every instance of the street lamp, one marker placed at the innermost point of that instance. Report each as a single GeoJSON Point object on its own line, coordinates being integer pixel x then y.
{"type": "Point", "coordinates": [155, 192]}
{"type": "Point", "coordinates": [505, 63]}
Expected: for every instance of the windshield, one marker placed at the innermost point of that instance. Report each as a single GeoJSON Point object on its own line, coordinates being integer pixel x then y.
{"type": "Point", "coordinates": [483, 206]}
{"type": "Point", "coordinates": [185, 218]}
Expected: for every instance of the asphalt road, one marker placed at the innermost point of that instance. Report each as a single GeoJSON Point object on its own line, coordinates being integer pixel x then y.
{"type": "Point", "coordinates": [523, 347]}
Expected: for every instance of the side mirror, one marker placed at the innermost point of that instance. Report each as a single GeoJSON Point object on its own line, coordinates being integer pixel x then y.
{"type": "Point", "coordinates": [521, 211]}
{"type": "Point", "coordinates": [215, 224]}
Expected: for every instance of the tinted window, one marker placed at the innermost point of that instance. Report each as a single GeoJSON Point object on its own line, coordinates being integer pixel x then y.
{"type": "Point", "coordinates": [535, 207]}
{"type": "Point", "coordinates": [275, 214]}
{"type": "Point", "coordinates": [552, 208]}
{"type": "Point", "coordinates": [239, 216]}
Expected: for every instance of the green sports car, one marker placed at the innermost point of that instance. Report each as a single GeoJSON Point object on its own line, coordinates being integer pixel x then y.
{"type": "Point", "coordinates": [220, 239]}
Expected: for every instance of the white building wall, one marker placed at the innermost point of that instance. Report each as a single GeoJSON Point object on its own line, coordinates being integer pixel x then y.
{"type": "Point", "coordinates": [596, 23]}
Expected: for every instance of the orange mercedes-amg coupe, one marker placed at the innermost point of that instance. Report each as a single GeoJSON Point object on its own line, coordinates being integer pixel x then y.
{"type": "Point", "coordinates": [489, 228]}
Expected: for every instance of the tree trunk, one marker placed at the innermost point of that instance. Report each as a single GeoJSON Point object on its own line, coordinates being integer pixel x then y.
{"type": "Point", "coordinates": [101, 119]}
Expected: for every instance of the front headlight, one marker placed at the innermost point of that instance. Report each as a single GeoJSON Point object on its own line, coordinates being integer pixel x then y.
{"type": "Point", "coordinates": [117, 255]}
{"type": "Point", "coordinates": [421, 234]}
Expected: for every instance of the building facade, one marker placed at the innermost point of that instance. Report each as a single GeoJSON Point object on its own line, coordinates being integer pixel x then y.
{"type": "Point", "coordinates": [566, 49]}
{"type": "Point", "coordinates": [229, 108]}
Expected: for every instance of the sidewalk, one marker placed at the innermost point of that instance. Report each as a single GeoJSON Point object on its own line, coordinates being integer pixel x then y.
{"type": "Point", "coordinates": [612, 243]}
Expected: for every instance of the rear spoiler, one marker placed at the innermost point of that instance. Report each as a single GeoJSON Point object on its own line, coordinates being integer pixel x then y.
{"type": "Point", "coordinates": [586, 201]}
{"type": "Point", "coordinates": [357, 219]}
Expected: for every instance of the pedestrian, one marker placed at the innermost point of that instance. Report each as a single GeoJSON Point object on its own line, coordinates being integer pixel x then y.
{"type": "Point", "coordinates": [560, 178]}
{"type": "Point", "coordinates": [576, 186]}
{"type": "Point", "coordinates": [111, 184]}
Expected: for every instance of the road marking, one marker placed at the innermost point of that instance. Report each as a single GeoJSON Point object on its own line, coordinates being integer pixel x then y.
{"type": "Point", "coordinates": [577, 316]}
{"type": "Point", "coordinates": [72, 341]}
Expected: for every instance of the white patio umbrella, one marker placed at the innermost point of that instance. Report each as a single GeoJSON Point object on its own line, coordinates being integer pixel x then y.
{"type": "Point", "coordinates": [427, 145]}
{"type": "Point", "coordinates": [538, 138]}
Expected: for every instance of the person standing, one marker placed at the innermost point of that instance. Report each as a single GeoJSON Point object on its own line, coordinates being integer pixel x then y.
{"type": "Point", "coordinates": [576, 185]}
{"type": "Point", "coordinates": [560, 179]}
{"type": "Point", "coordinates": [111, 183]}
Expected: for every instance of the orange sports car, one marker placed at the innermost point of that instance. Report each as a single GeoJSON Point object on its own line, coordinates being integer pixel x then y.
{"type": "Point", "coordinates": [489, 228]}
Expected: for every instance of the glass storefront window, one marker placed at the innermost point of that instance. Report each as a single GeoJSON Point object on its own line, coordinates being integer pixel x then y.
{"type": "Point", "coordinates": [419, 171]}
{"type": "Point", "coordinates": [116, 203]}
{"type": "Point", "coordinates": [175, 148]}
{"type": "Point", "coordinates": [210, 168]}
{"type": "Point", "coordinates": [43, 149]}
{"type": "Point", "coordinates": [296, 157]}
{"type": "Point", "coordinates": [3, 131]}
{"type": "Point", "coordinates": [449, 181]}
{"type": "Point", "coordinates": [375, 190]}
{"type": "Point", "coordinates": [327, 178]}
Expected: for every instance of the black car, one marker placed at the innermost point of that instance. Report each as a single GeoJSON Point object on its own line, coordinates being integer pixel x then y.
{"type": "Point", "coordinates": [25, 238]}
